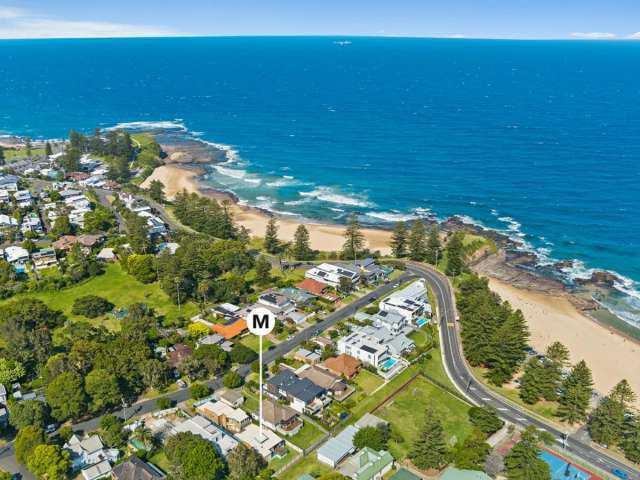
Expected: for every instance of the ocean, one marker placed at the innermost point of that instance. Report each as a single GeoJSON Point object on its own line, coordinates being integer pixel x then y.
{"type": "Point", "coordinates": [538, 139]}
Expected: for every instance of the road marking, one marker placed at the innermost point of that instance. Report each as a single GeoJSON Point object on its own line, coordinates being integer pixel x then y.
{"type": "Point", "coordinates": [521, 419]}
{"type": "Point", "coordinates": [502, 409]}
{"type": "Point", "coordinates": [449, 324]}
{"type": "Point", "coordinates": [486, 399]}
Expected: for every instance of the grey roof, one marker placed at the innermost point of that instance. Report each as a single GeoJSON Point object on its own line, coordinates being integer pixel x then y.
{"type": "Point", "coordinates": [338, 447]}
{"type": "Point", "coordinates": [300, 388]}
{"type": "Point", "coordinates": [135, 469]}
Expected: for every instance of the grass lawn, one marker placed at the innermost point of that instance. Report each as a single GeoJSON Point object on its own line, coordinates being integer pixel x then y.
{"type": "Point", "coordinates": [253, 342]}
{"type": "Point", "coordinates": [277, 463]}
{"type": "Point", "coordinates": [543, 408]}
{"type": "Point", "coordinates": [120, 289]}
{"type": "Point", "coordinates": [420, 337]}
{"type": "Point", "coordinates": [369, 402]}
{"type": "Point", "coordinates": [406, 413]}
{"type": "Point", "coordinates": [309, 465]}
{"type": "Point", "coordinates": [433, 367]}
{"type": "Point", "coordinates": [307, 436]}
{"type": "Point", "coordinates": [15, 154]}
{"type": "Point", "coordinates": [368, 381]}
{"type": "Point", "coordinates": [159, 459]}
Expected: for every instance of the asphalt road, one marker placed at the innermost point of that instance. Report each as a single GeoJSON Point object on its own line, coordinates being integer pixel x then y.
{"type": "Point", "coordinates": [477, 393]}
{"type": "Point", "coordinates": [7, 453]}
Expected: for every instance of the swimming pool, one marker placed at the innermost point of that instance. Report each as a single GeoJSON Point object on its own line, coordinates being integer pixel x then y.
{"type": "Point", "coordinates": [562, 469]}
{"type": "Point", "coordinates": [388, 364]}
{"type": "Point", "coordinates": [421, 321]}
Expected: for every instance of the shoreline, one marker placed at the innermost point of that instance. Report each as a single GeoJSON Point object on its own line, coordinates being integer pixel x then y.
{"type": "Point", "coordinates": [551, 312]}
{"type": "Point", "coordinates": [325, 237]}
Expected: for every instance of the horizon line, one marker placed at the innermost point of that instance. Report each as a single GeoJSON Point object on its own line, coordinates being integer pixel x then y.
{"type": "Point", "coordinates": [332, 35]}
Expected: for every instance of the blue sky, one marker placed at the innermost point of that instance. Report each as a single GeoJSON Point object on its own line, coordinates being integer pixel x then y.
{"type": "Point", "coordinates": [618, 19]}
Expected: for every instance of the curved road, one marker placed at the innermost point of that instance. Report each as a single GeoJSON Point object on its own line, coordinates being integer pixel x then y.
{"type": "Point", "coordinates": [479, 394]}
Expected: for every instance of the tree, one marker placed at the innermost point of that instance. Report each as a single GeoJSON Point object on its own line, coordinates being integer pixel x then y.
{"type": "Point", "coordinates": [372, 437]}
{"type": "Point", "coordinates": [27, 439]}
{"type": "Point", "coordinates": [271, 242]}
{"type": "Point", "coordinates": [112, 431]}
{"type": "Point", "coordinates": [433, 246]}
{"type": "Point", "coordinates": [164, 403]}
{"type": "Point", "coordinates": [193, 458]}
{"type": "Point", "coordinates": [417, 241]}
{"type": "Point", "coordinates": [70, 161]}
{"type": "Point", "coordinates": [213, 358]}
{"type": "Point", "coordinates": [2, 158]}
{"type": "Point", "coordinates": [91, 306]}
{"type": "Point", "coordinates": [102, 387]}
{"type": "Point", "coordinates": [49, 462]}
{"type": "Point", "coordinates": [399, 240]}
{"type": "Point", "coordinates": [5, 475]}
{"type": "Point", "coordinates": [556, 359]}
{"type": "Point", "coordinates": [455, 255]}
{"type": "Point", "coordinates": [345, 285]}
{"type": "Point", "coordinates": [138, 231]}
{"type": "Point", "coordinates": [301, 249]}
{"type": "Point", "coordinates": [28, 146]}
{"type": "Point", "coordinates": [198, 330]}
{"type": "Point", "coordinates": [531, 381]}
{"type": "Point", "coordinates": [429, 448]}
{"type": "Point", "coordinates": [631, 442]}
{"type": "Point", "coordinates": [511, 343]}
{"type": "Point", "coordinates": [242, 354]}
{"type": "Point", "coordinates": [199, 391]}
{"type": "Point", "coordinates": [575, 394]}
{"type": "Point", "coordinates": [608, 420]}
{"type": "Point", "coordinates": [100, 219]}
{"type": "Point", "coordinates": [245, 463]}
{"type": "Point", "coordinates": [472, 453]}
{"type": "Point", "coordinates": [354, 239]}
{"type": "Point", "coordinates": [156, 191]}
{"type": "Point", "coordinates": [66, 397]}
{"type": "Point", "coordinates": [62, 226]}
{"type": "Point", "coordinates": [232, 380]}
{"type": "Point", "coordinates": [11, 371]}
{"type": "Point", "coordinates": [623, 393]}
{"type": "Point", "coordinates": [523, 461]}
{"type": "Point", "coordinates": [263, 270]}
{"type": "Point", "coordinates": [485, 419]}
{"type": "Point", "coordinates": [48, 151]}
{"type": "Point", "coordinates": [142, 267]}
{"type": "Point", "coordinates": [28, 413]}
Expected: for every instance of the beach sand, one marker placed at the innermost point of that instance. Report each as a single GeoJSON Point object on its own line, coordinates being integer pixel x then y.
{"type": "Point", "coordinates": [610, 356]}
{"type": "Point", "coordinates": [322, 237]}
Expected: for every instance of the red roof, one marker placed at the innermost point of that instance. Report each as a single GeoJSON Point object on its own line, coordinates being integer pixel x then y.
{"type": "Point", "coordinates": [312, 286]}
{"type": "Point", "coordinates": [231, 330]}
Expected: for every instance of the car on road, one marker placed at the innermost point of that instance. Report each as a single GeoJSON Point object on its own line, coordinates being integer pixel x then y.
{"type": "Point", "coordinates": [620, 473]}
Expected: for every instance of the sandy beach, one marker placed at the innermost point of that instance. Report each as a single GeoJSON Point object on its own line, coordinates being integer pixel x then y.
{"type": "Point", "coordinates": [323, 237]}
{"type": "Point", "coordinates": [610, 356]}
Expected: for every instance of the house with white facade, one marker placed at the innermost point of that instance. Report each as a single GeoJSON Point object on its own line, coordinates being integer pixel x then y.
{"type": "Point", "coordinates": [198, 425]}
{"type": "Point", "coordinates": [89, 451]}
{"type": "Point", "coordinates": [331, 274]}
{"type": "Point", "coordinates": [411, 302]}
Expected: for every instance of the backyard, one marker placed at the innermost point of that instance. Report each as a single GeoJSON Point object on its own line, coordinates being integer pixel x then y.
{"type": "Point", "coordinates": [407, 409]}
{"type": "Point", "coordinates": [309, 465]}
{"type": "Point", "coordinates": [120, 289]}
{"type": "Point", "coordinates": [307, 436]}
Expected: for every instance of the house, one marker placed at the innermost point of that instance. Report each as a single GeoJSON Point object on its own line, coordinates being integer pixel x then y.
{"type": "Point", "coordinates": [367, 464]}
{"type": "Point", "coordinates": [16, 256]}
{"type": "Point", "coordinates": [232, 397]}
{"type": "Point", "coordinates": [155, 224]}
{"type": "Point", "coordinates": [296, 296]}
{"type": "Point", "coordinates": [31, 223]}
{"type": "Point", "coordinates": [332, 383]}
{"type": "Point", "coordinates": [452, 473]}
{"type": "Point", "coordinates": [23, 198]}
{"type": "Point", "coordinates": [213, 339]}
{"type": "Point", "coordinates": [202, 427]}
{"type": "Point", "coordinates": [298, 317]}
{"type": "Point", "coordinates": [135, 469]}
{"type": "Point", "coordinates": [228, 311]}
{"type": "Point", "coordinates": [369, 271]}
{"type": "Point", "coordinates": [4, 417]}
{"type": "Point", "coordinates": [337, 448]}
{"type": "Point", "coordinates": [279, 304]}
{"type": "Point", "coordinates": [97, 471]}
{"type": "Point", "coordinates": [363, 348]}
{"type": "Point", "coordinates": [343, 365]}
{"type": "Point", "coordinates": [392, 321]}
{"type": "Point", "coordinates": [269, 445]}
{"type": "Point", "coordinates": [232, 329]}
{"type": "Point", "coordinates": [106, 255]}
{"type": "Point", "coordinates": [306, 356]}
{"type": "Point", "coordinates": [323, 342]}
{"type": "Point", "coordinates": [44, 258]}
{"type": "Point", "coordinates": [7, 222]}
{"type": "Point", "coordinates": [233, 419]}
{"type": "Point", "coordinates": [331, 274]}
{"type": "Point", "coordinates": [411, 302]}
{"type": "Point", "coordinates": [397, 342]}
{"type": "Point", "coordinates": [304, 395]}
{"type": "Point", "coordinates": [178, 354]}
{"type": "Point", "coordinates": [88, 451]}
{"type": "Point", "coordinates": [280, 418]}
{"type": "Point", "coordinates": [3, 394]}
{"type": "Point", "coordinates": [9, 183]}
{"type": "Point", "coordinates": [170, 247]}
{"type": "Point", "coordinates": [318, 289]}
{"type": "Point", "coordinates": [87, 242]}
